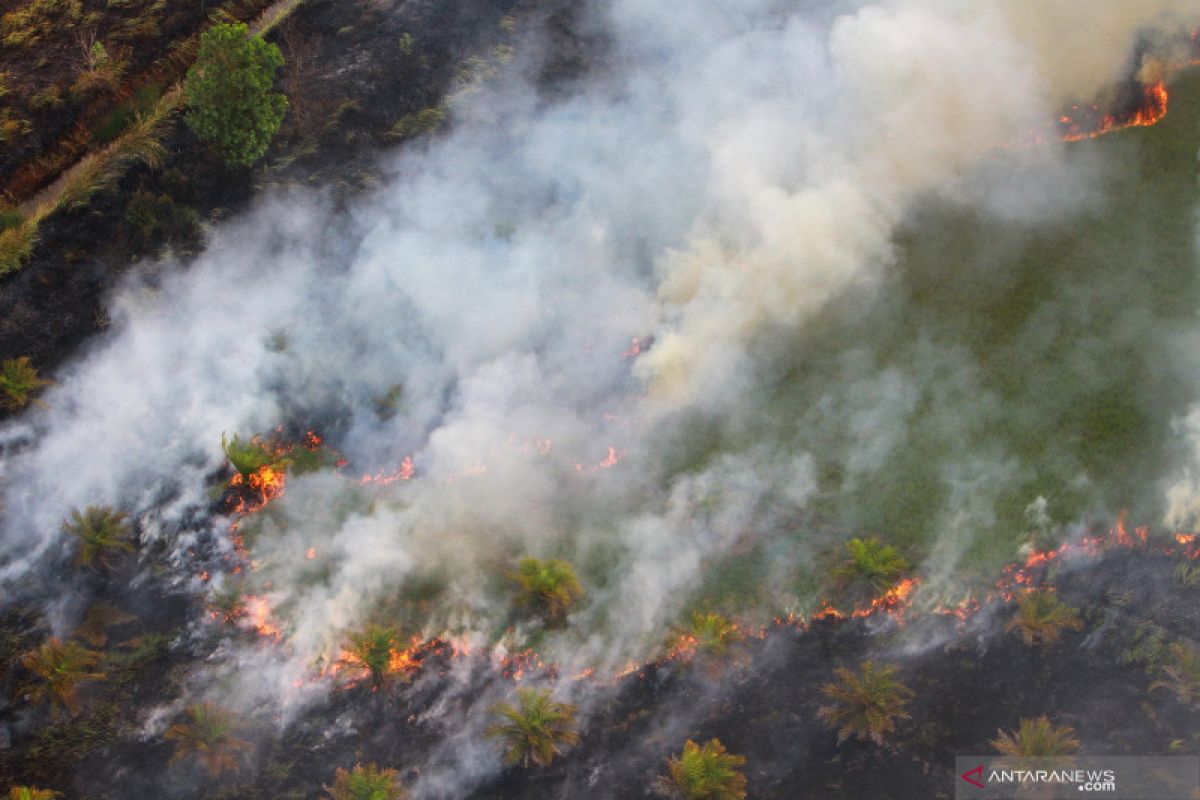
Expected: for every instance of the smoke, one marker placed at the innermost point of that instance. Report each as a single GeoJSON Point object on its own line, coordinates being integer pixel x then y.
{"type": "Point", "coordinates": [863, 318]}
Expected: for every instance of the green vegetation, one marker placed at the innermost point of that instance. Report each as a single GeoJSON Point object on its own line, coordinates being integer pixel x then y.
{"type": "Point", "coordinates": [228, 605]}
{"type": "Point", "coordinates": [373, 649]}
{"type": "Point", "coordinates": [16, 245]}
{"type": "Point", "coordinates": [231, 104]}
{"type": "Point", "coordinates": [207, 735]}
{"type": "Point", "coordinates": [1181, 675]}
{"type": "Point", "coordinates": [711, 634]}
{"type": "Point", "coordinates": [18, 377]}
{"type": "Point", "coordinates": [60, 668]}
{"type": "Point", "coordinates": [30, 793]}
{"type": "Point", "coordinates": [365, 783]}
{"type": "Point", "coordinates": [101, 531]}
{"type": "Point", "coordinates": [703, 772]}
{"type": "Point", "coordinates": [121, 118]}
{"type": "Point", "coordinates": [247, 457]}
{"type": "Point", "coordinates": [1036, 738]}
{"type": "Point", "coordinates": [1041, 617]}
{"type": "Point", "coordinates": [865, 705]}
{"type": "Point", "coordinates": [547, 588]}
{"type": "Point", "coordinates": [870, 569]}
{"type": "Point", "coordinates": [534, 729]}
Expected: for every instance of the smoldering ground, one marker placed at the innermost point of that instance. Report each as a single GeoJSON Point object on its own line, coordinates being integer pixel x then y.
{"type": "Point", "coordinates": [869, 311]}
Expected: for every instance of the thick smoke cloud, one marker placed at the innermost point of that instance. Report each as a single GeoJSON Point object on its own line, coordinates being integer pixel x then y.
{"type": "Point", "coordinates": [735, 187]}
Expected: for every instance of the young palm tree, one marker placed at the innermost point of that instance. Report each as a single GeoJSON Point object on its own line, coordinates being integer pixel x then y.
{"type": "Point", "coordinates": [1037, 738]}
{"type": "Point", "coordinates": [30, 793]}
{"type": "Point", "coordinates": [101, 531]}
{"type": "Point", "coordinates": [548, 588]}
{"type": "Point", "coordinates": [247, 457]}
{"type": "Point", "coordinates": [18, 381]}
{"type": "Point", "coordinates": [866, 704]}
{"type": "Point", "coordinates": [535, 728]}
{"type": "Point", "coordinates": [372, 650]}
{"type": "Point", "coordinates": [365, 783]}
{"type": "Point", "coordinates": [60, 667]}
{"type": "Point", "coordinates": [1182, 675]}
{"type": "Point", "coordinates": [870, 569]}
{"type": "Point", "coordinates": [712, 633]}
{"type": "Point", "coordinates": [1041, 617]}
{"type": "Point", "coordinates": [703, 772]}
{"type": "Point", "coordinates": [207, 735]}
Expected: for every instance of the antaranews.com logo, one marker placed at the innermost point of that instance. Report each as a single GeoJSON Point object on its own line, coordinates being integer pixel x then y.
{"type": "Point", "coordinates": [1115, 777]}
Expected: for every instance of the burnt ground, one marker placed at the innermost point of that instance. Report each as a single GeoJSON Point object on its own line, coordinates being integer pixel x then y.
{"type": "Point", "coordinates": [358, 77]}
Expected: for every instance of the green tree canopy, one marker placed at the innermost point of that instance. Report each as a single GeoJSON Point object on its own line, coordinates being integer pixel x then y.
{"type": "Point", "coordinates": [231, 105]}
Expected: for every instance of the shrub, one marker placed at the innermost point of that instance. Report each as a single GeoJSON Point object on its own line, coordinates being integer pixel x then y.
{"type": "Point", "coordinates": [1037, 738]}
{"type": "Point", "coordinates": [534, 729]}
{"type": "Point", "coordinates": [365, 783]}
{"type": "Point", "coordinates": [708, 635]}
{"type": "Point", "coordinates": [101, 531]}
{"type": "Point", "coordinates": [207, 735]}
{"type": "Point", "coordinates": [1041, 617]}
{"type": "Point", "coordinates": [866, 704]}
{"type": "Point", "coordinates": [60, 668]}
{"type": "Point", "coordinates": [703, 772]}
{"type": "Point", "coordinates": [231, 105]}
{"type": "Point", "coordinates": [870, 569]}
{"type": "Point", "coordinates": [548, 588]}
{"type": "Point", "coordinates": [18, 377]}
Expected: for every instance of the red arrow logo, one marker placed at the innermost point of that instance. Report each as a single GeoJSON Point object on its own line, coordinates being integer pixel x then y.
{"type": "Point", "coordinates": [978, 773]}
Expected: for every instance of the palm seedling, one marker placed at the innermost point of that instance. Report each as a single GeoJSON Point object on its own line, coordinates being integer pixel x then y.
{"type": "Point", "coordinates": [548, 588]}
{"type": "Point", "coordinates": [207, 734]}
{"type": "Point", "coordinates": [60, 668]}
{"type": "Point", "coordinates": [865, 704]}
{"type": "Point", "coordinates": [869, 570]}
{"type": "Point", "coordinates": [373, 650]}
{"type": "Point", "coordinates": [1037, 738]}
{"type": "Point", "coordinates": [1041, 617]}
{"type": "Point", "coordinates": [703, 772]}
{"type": "Point", "coordinates": [535, 728]}
{"type": "Point", "coordinates": [101, 531]}
{"type": "Point", "coordinates": [1182, 675]}
{"type": "Point", "coordinates": [18, 381]}
{"type": "Point", "coordinates": [246, 458]}
{"type": "Point", "coordinates": [367, 782]}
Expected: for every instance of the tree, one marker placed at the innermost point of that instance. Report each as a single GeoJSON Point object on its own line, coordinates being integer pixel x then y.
{"type": "Point", "coordinates": [30, 793]}
{"type": "Point", "coordinates": [365, 783]}
{"type": "Point", "coordinates": [535, 728]}
{"type": "Point", "coordinates": [1182, 675]}
{"type": "Point", "coordinates": [247, 458]}
{"type": "Point", "coordinates": [101, 531]}
{"type": "Point", "coordinates": [1041, 617]}
{"type": "Point", "coordinates": [18, 381]}
{"type": "Point", "coordinates": [1036, 738]}
{"type": "Point", "coordinates": [231, 105]}
{"type": "Point", "coordinates": [207, 734]}
{"type": "Point", "coordinates": [866, 704]}
{"type": "Point", "coordinates": [60, 668]}
{"type": "Point", "coordinates": [703, 772]}
{"type": "Point", "coordinates": [548, 588]}
{"type": "Point", "coordinates": [375, 650]}
{"type": "Point", "coordinates": [870, 569]}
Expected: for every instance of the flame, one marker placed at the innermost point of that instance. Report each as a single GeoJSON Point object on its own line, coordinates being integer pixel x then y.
{"type": "Point", "coordinates": [635, 348]}
{"type": "Point", "coordinates": [609, 461]}
{"type": "Point", "coordinates": [310, 553]}
{"type": "Point", "coordinates": [1152, 109]}
{"type": "Point", "coordinates": [258, 616]}
{"type": "Point", "coordinates": [402, 473]}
